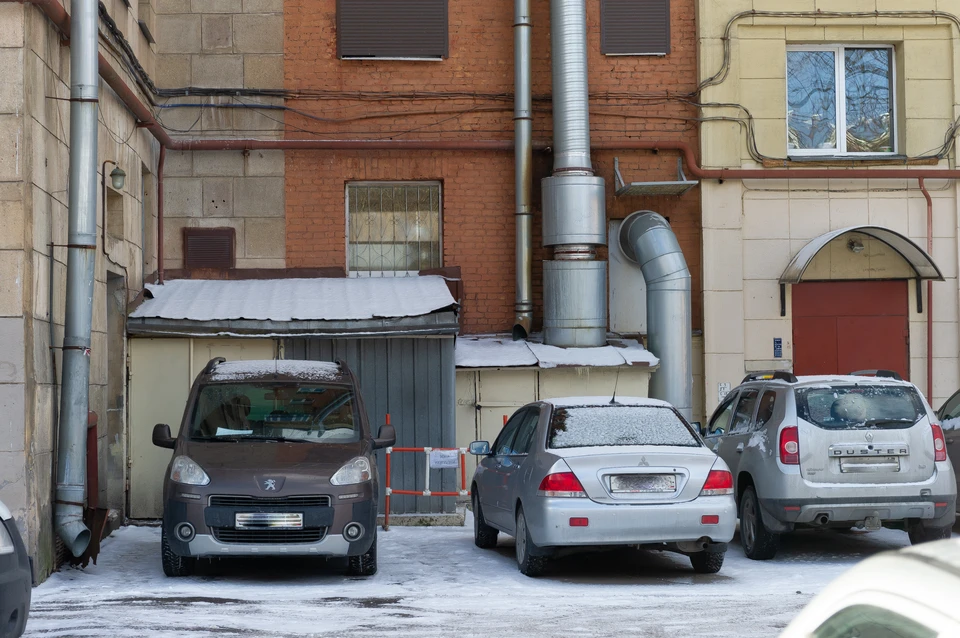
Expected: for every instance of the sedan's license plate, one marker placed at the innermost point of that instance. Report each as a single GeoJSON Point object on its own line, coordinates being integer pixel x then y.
{"type": "Point", "coordinates": [269, 520]}
{"type": "Point", "coordinates": [869, 464]}
{"type": "Point", "coordinates": [643, 483]}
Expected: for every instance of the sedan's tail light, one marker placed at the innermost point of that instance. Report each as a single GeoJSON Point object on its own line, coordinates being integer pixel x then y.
{"type": "Point", "coordinates": [719, 482]}
{"type": "Point", "coordinates": [790, 446]}
{"type": "Point", "coordinates": [939, 445]}
{"type": "Point", "coordinates": [562, 484]}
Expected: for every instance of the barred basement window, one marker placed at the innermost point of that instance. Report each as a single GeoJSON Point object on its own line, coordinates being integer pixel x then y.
{"type": "Point", "coordinates": [392, 29]}
{"type": "Point", "coordinates": [635, 27]}
{"type": "Point", "coordinates": [393, 228]}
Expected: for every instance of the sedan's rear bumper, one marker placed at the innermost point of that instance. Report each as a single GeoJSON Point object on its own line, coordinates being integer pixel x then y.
{"type": "Point", "coordinates": [549, 521]}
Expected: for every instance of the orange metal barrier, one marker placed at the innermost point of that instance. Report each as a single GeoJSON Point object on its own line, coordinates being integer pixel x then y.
{"type": "Point", "coordinates": [461, 465]}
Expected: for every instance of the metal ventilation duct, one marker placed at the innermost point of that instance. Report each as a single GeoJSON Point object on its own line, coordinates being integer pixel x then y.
{"type": "Point", "coordinates": [647, 240]}
{"type": "Point", "coordinates": [574, 218]}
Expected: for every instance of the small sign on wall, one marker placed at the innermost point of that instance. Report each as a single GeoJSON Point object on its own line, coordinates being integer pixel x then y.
{"type": "Point", "coordinates": [777, 348]}
{"type": "Point", "coordinates": [723, 389]}
{"type": "Point", "coordinates": [441, 459]}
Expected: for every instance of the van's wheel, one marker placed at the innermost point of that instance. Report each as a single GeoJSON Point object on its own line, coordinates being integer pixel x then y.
{"type": "Point", "coordinates": [175, 565]}
{"type": "Point", "coordinates": [484, 536]}
{"type": "Point", "coordinates": [707, 562]}
{"type": "Point", "coordinates": [920, 534]}
{"type": "Point", "coordinates": [529, 565]}
{"type": "Point", "coordinates": [759, 543]}
{"type": "Point", "coordinates": [365, 564]}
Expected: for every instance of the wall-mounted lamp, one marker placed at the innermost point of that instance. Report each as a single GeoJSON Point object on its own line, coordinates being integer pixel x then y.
{"type": "Point", "coordinates": [117, 177]}
{"type": "Point", "coordinates": [855, 246]}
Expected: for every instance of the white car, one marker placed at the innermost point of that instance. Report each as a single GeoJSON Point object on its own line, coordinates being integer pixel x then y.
{"type": "Point", "coordinates": [910, 593]}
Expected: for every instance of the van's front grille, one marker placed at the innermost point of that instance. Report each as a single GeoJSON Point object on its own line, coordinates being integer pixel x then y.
{"type": "Point", "coordinates": [269, 537]}
{"type": "Point", "coordinates": [316, 500]}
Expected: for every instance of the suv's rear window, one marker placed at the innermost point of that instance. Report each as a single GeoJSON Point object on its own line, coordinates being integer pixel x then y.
{"type": "Point", "coordinates": [618, 425]}
{"type": "Point", "coordinates": [270, 411]}
{"type": "Point", "coordinates": [857, 406]}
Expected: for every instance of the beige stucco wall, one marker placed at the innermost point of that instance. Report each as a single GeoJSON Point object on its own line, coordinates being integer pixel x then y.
{"type": "Point", "coordinates": [223, 44]}
{"type": "Point", "coordinates": [752, 228]}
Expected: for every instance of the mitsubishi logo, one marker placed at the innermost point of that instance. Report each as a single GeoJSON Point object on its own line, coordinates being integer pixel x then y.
{"type": "Point", "coordinates": [868, 436]}
{"type": "Point", "coordinates": [271, 485]}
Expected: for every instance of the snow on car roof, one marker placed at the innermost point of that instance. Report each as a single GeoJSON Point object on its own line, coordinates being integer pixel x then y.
{"type": "Point", "coordinates": [320, 299]}
{"type": "Point", "coordinates": [847, 378]}
{"type": "Point", "coordinates": [579, 402]}
{"type": "Point", "coordinates": [308, 370]}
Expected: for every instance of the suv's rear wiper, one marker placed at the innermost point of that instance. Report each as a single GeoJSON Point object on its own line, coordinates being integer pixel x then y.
{"type": "Point", "coordinates": [881, 422]}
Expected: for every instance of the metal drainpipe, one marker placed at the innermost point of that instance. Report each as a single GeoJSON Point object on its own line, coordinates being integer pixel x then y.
{"type": "Point", "coordinates": [163, 156]}
{"type": "Point", "coordinates": [574, 217]}
{"type": "Point", "coordinates": [523, 171]}
{"type": "Point", "coordinates": [926, 195]}
{"type": "Point", "coordinates": [81, 265]}
{"type": "Point", "coordinates": [647, 240]}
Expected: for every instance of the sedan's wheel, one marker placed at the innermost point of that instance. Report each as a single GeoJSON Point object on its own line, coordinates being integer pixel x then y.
{"type": "Point", "coordinates": [365, 564]}
{"type": "Point", "coordinates": [759, 543]}
{"type": "Point", "coordinates": [529, 565]}
{"type": "Point", "coordinates": [173, 564]}
{"type": "Point", "coordinates": [920, 534]}
{"type": "Point", "coordinates": [707, 562]}
{"type": "Point", "coordinates": [484, 536]}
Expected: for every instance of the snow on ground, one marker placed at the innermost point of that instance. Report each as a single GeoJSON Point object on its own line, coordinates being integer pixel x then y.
{"type": "Point", "coordinates": [435, 582]}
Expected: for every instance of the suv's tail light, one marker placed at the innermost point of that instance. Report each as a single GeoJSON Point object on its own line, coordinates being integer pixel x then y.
{"type": "Point", "coordinates": [562, 484]}
{"type": "Point", "coordinates": [718, 482]}
{"type": "Point", "coordinates": [790, 446]}
{"type": "Point", "coordinates": [939, 444]}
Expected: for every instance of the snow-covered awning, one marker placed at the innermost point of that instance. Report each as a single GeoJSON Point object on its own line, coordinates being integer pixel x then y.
{"type": "Point", "coordinates": [503, 352]}
{"type": "Point", "coordinates": [334, 306]}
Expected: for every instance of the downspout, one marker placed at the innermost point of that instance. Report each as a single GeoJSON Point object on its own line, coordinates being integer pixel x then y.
{"type": "Point", "coordinates": [574, 218]}
{"type": "Point", "coordinates": [647, 240]}
{"type": "Point", "coordinates": [926, 195]}
{"type": "Point", "coordinates": [163, 156]}
{"type": "Point", "coordinates": [81, 265]}
{"type": "Point", "coordinates": [523, 171]}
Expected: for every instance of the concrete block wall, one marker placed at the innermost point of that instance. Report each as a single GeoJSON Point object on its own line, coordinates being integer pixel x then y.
{"type": "Point", "coordinates": [752, 228]}
{"type": "Point", "coordinates": [629, 102]}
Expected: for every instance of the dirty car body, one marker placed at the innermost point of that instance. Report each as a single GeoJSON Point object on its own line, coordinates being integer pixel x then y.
{"type": "Point", "coordinates": [16, 578]}
{"type": "Point", "coordinates": [272, 458]}
{"type": "Point", "coordinates": [584, 472]}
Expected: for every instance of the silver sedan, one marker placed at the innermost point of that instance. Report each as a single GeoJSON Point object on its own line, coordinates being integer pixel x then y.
{"type": "Point", "coordinates": [590, 472]}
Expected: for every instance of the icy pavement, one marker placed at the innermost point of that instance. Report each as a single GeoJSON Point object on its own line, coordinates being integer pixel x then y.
{"type": "Point", "coordinates": [435, 582]}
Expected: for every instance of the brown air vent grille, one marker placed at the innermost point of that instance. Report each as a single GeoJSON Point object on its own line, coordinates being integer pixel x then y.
{"type": "Point", "coordinates": [392, 29]}
{"type": "Point", "coordinates": [635, 27]}
{"type": "Point", "coordinates": [209, 248]}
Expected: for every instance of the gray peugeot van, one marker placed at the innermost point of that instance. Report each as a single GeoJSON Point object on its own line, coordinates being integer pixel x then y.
{"type": "Point", "coordinates": [272, 458]}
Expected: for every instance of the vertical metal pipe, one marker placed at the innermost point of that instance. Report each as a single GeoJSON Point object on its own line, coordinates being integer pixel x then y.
{"type": "Point", "coordinates": [163, 156]}
{"type": "Point", "coordinates": [926, 195]}
{"type": "Point", "coordinates": [81, 268]}
{"type": "Point", "coordinates": [523, 170]}
{"type": "Point", "coordinates": [571, 119]}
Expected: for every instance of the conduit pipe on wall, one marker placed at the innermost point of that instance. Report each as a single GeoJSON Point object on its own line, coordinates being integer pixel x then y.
{"type": "Point", "coordinates": [81, 268]}
{"type": "Point", "coordinates": [523, 169]}
{"type": "Point", "coordinates": [647, 240]}
{"type": "Point", "coordinates": [926, 195]}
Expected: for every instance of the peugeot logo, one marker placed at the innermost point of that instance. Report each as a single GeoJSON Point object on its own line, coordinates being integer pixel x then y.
{"type": "Point", "coordinates": [868, 436]}
{"type": "Point", "coordinates": [270, 485]}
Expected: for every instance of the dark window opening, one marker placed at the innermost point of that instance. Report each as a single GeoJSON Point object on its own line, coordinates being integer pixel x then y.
{"type": "Point", "coordinates": [635, 27]}
{"type": "Point", "coordinates": [392, 29]}
{"type": "Point", "coordinates": [208, 248]}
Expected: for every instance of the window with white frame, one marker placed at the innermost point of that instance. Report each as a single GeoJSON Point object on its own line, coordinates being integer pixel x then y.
{"type": "Point", "coordinates": [393, 228]}
{"type": "Point", "coordinates": [840, 88]}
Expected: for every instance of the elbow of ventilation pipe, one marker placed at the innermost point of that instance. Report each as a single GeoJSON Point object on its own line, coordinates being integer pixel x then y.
{"type": "Point", "coordinates": [647, 239]}
{"type": "Point", "coordinates": [68, 522]}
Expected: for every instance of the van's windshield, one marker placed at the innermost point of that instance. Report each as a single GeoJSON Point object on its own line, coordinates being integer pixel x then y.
{"type": "Point", "coordinates": [275, 411]}
{"type": "Point", "coordinates": [838, 407]}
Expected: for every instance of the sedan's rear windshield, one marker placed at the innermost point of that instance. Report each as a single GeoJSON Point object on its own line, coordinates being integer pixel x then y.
{"type": "Point", "coordinates": [618, 425]}
{"type": "Point", "coordinates": [860, 406]}
{"type": "Point", "coordinates": [275, 411]}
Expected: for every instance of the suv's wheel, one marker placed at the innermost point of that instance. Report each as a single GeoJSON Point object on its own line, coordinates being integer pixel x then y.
{"type": "Point", "coordinates": [484, 536]}
{"type": "Point", "coordinates": [920, 534]}
{"type": "Point", "coordinates": [759, 543]}
{"type": "Point", "coordinates": [365, 564]}
{"type": "Point", "coordinates": [529, 565]}
{"type": "Point", "coordinates": [707, 562]}
{"type": "Point", "coordinates": [174, 564]}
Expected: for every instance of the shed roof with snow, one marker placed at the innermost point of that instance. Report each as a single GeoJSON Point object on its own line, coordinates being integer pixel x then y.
{"type": "Point", "coordinates": [503, 352]}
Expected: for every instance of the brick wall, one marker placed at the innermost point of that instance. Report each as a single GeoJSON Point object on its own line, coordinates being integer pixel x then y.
{"type": "Point", "coordinates": [629, 101]}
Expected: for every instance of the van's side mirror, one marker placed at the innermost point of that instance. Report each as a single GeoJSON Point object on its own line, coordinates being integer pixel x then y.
{"type": "Point", "coordinates": [161, 436]}
{"type": "Point", "coordinates": [700, 428]}
{"type": "Point", "coordinates": [386, 437]}
{"type": "Point", "coordinates": [480, 448]}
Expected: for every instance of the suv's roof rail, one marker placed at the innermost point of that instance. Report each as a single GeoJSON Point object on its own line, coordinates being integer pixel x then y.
{"type": "Point", "coordinates": [212, 363]}
{"type": "Point", "coordinates": [779, 375]}
{"type": "Point", "coordinates": [889, 374]}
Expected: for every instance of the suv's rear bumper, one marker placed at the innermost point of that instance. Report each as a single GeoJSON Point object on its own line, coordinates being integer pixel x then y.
{"type": "Point", "coordinates": [854, 510]}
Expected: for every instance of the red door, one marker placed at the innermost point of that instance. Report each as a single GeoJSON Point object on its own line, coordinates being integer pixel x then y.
{"type": "Point", "coordinates": [842, 326]}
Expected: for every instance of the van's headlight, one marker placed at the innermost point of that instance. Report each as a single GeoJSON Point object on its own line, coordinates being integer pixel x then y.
{"type": "Point", "coordinates": [185, 470]}
{"type": "Point", "coordinates": [354, 471]}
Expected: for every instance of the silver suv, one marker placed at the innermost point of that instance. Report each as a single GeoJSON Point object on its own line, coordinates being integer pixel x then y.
{"type": "Point", "coordinates": [863, 450]}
